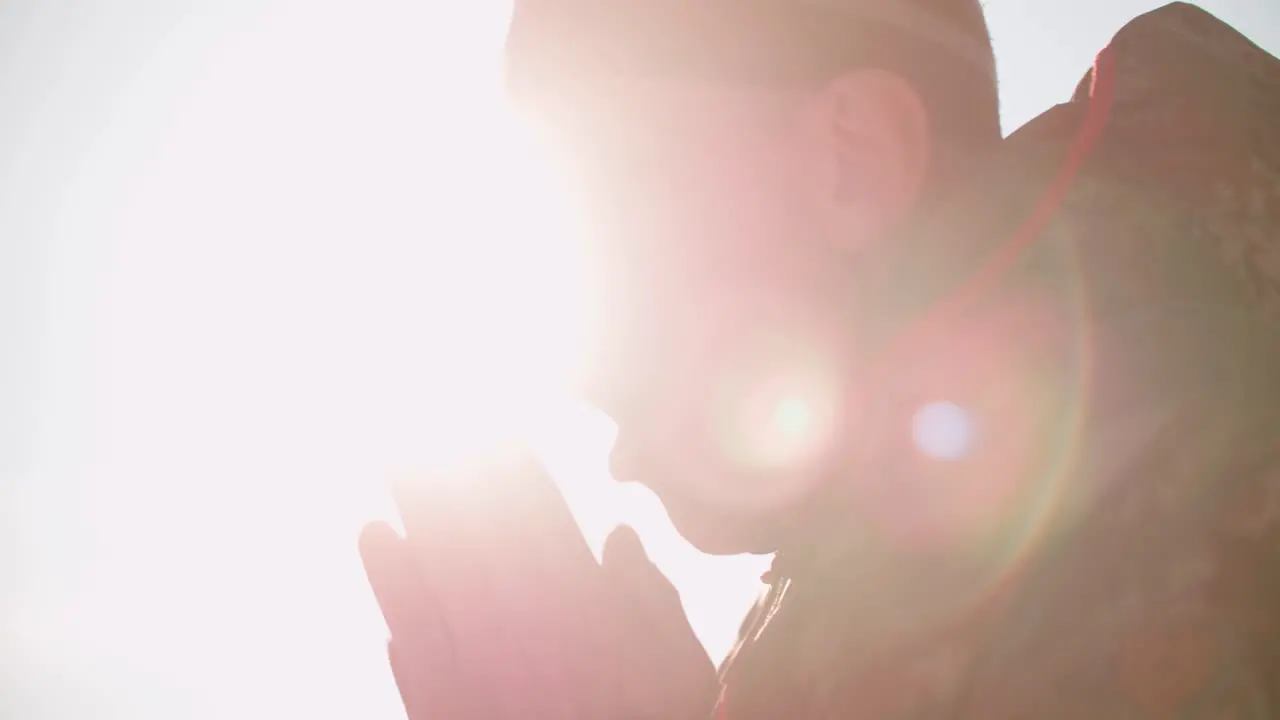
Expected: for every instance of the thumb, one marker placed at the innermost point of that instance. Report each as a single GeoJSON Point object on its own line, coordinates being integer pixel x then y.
{"type": "Point", "coordinates": [629, 569]}
{"type": "Point", "coordinates": [664, 638]}
{"type": "Point", "coordinates": [645, 591]}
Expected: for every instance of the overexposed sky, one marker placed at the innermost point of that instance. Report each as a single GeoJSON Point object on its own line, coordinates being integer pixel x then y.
{"type": "Point", "coordinates": [257, 258]}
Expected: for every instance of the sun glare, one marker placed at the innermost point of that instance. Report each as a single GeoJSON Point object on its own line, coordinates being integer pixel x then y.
{"type": "Point", "coordinates": [331, 269]}
{"type": "Point", "coordinates": [283, 252]}
{"type": "Point", "coordinates": [335, 259]}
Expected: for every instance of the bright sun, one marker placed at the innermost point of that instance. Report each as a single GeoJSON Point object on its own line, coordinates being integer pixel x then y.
{"type": "Point", "coordinates": [335, 259]}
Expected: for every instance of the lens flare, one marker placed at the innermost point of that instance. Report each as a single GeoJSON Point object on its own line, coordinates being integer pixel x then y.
{"type": "Point", "coordinates": [781, 421]}
{"type": "Point", "coordinates": [792, 418]}
{"type": "Point", "coordinates": [943, 431]}
{"type": "Point", "coordinates": [789, 431]}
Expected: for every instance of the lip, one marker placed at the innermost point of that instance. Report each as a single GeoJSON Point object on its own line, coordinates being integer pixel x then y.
{"type": "Point", "coordinates": [713, 527]}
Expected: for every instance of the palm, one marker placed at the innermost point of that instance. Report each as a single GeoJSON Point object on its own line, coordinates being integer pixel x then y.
{"type": "Point", "coordinates": [497, 609]}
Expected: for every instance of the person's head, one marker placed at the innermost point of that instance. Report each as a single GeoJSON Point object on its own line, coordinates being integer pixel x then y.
{"type": "Point", "coordinates": [738, 160]}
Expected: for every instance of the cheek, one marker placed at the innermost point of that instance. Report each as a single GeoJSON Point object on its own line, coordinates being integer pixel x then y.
{"type": "Point", "coordinates": [745, 242]}
{"type": "Point", "coordinates": [747, 398]}
{"type": "Point", "coordinates": [726, 244]}
{"type": "Point", "coordinates": [967, 439]}
{"type": "Point", "coordinates": [720, 290]}
{"type": "Point", "coordinates": [716, 532]}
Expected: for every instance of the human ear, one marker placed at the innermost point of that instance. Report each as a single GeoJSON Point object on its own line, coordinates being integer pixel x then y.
{"type": "Point", "coordinates": [877, 135]}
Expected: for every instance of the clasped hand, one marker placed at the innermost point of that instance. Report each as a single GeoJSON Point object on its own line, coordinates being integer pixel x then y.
{"type": "Point", "coordinates": [497, 608]}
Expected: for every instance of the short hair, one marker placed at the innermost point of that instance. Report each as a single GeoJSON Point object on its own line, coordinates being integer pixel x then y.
{"type": "Point", "coordinates": [942, 47]}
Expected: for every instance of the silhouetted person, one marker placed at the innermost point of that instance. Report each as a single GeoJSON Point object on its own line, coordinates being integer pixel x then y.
{"type": "Point", "coordinates": [1008, 410]}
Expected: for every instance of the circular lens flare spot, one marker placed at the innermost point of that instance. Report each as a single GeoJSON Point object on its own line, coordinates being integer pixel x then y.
{"type": "Point", "coordinates": [782, 426]}
{"type": "Point", "coordinates": [943, 430]}
{"type": "Point", "coordinates": [793, 419]}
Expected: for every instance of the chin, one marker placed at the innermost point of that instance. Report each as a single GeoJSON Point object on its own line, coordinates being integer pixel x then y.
{"type": "Point", "coordinates": [718, 532]}
{"type": "Point", "coordinates": [717, 509]}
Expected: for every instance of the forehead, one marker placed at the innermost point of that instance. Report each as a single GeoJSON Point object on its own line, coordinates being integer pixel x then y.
{"type": "Point", "coordinates": [657, 108]}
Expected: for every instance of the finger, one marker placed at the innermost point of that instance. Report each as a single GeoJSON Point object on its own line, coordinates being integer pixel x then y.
{"type": "Point", "coordinates": [544, 515]}
{"type": "Point", "coordinates": [559, 595]}
{"type": "Point", "coordinates": [446, 696]}
{"type": "Point", "coordinates": [401, 589]}
{"type": "Point", "coordinates": [455, 623]}
{"type": "Point", "coordinates": [411, 695]}
{"type": "Point", "coordinates": [501, 523]}
{"type": "Point", "coordinates": [516, 498]}
{"type": "Point", "coordinates": [459, 537]}
{"type": "Point", "coordinates": [648, 594]}
{"type": "Point", "coordinates": [442, 528]}
{"type": "Point", "coordinates": [421, 649]}
{"type": "Point", "coordinates": [663, 637]}
{"type": "Point", "coordinates": [628, 568]}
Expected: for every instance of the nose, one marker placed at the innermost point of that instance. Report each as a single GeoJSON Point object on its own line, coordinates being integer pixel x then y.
{"type": "Point", "coordinates": [615, 382]}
